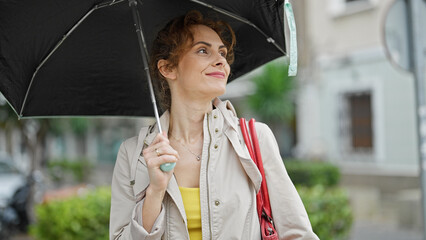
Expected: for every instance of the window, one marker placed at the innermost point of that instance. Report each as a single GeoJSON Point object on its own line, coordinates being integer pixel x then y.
{"type": "Point", "coordinates": [361, 130]}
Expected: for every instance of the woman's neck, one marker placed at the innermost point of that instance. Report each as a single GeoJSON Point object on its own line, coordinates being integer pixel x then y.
{"type": "Point", "coordinates": [186, 119]}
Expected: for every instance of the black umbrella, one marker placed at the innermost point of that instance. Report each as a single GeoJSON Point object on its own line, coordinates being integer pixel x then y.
{"type": "Point", "coordinates": [82, 57]}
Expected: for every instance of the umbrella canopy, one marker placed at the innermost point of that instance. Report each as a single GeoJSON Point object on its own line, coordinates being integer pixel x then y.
{"type": "Point", "coordinates": [82, 58]}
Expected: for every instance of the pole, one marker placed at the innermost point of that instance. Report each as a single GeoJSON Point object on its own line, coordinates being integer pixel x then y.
{"type": "Point", "coordinates": [417, 67]}
{"type": "Point", "coordinates": [138, 25]}
{"type": "Point", "coordinates": [166, 167]}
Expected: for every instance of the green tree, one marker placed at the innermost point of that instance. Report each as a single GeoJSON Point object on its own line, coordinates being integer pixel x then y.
{"type": "Point", "coordinates": [33, 132]}
{"type": "Point", "coordinates": [8, 120]}
{"type": "Point", "coordinates": [79, 127]}
{"type": "Point", "coordinates": [273, 97]}
{"type": "Point", "coordinates": [273, 102]}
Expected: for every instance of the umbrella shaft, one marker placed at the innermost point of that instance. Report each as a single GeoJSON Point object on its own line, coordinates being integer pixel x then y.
{"type": "Point", "coordinates": [144, 53]}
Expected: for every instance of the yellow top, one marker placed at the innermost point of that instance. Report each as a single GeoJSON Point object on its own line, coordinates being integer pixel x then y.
{"type": "Point", "coordinates": [191, 203]}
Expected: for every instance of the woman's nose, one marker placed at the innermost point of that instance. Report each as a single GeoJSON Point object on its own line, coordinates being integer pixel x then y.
{"type": "Point", "coordinates": [220, 61]}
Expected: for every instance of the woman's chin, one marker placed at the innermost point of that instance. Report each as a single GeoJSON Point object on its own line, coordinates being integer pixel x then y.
{"type": "Point", "coordinates": [217, 92]}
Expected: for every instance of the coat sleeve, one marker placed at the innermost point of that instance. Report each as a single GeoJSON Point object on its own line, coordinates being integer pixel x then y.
{"type": "Point", "coordinates": [126, 208]}
{"type": "Point", "coordinates": [289, 214]}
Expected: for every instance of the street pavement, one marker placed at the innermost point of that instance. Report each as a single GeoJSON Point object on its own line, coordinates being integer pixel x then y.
{"type": "Point", "coordinates": [360, 231]}
{"type": "Point", "coordinates": [376, 231]}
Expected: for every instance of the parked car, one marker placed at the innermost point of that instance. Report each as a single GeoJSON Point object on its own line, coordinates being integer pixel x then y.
{"type": "Point", "coordinates": [14, 195]}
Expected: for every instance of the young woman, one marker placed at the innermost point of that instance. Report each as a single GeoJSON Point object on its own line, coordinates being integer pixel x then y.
{"type": "Point", "coordinates": [211, 192]}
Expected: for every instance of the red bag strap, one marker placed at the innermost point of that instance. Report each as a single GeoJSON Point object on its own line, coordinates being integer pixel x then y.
{"type": "Point", "coordinates": [263, 203]}
{"type": "Point", "coordinates": [244, 131]}
{"type": "Point", "coordinates": [264, 188]}
{"type": "Point", "coordinates": [247, 140]}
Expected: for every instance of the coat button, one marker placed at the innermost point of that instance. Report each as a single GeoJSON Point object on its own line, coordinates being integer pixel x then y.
{"type": "Point", "coordinates": [217, 203]}
{"type": "Point", "coordinates": [216, 130]}
{"type": "Point", "coordinates": [215, 116]}
{"type": "Point", "coordinates": [216, 146]}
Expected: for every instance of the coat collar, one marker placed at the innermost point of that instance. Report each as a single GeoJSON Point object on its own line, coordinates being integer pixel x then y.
{"type": "Point", "coordinates": [225, 107]}
{"type": "Point", "coordinates": [153, 129]}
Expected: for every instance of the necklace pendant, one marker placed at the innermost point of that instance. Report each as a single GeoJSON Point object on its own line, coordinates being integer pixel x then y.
{"type": "Point", "coordinates": [198, 158]}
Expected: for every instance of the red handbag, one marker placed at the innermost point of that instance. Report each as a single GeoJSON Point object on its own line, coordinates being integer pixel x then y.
{"type": "Point", "coordinates": [262, 198]}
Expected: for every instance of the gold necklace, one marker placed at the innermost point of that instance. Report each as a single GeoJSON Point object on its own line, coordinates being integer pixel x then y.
{"type": "Point", "coordinates": [198, 157]}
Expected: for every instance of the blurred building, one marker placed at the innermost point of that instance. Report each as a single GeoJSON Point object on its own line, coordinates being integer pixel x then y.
{"type": "Point", "coordinates": [357, 110]}
{"type": "Point", "coordinates": [97, 143]}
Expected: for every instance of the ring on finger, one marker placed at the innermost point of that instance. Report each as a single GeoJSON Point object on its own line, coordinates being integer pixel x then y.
{"type": "Point", "coordinates": [158, 152]}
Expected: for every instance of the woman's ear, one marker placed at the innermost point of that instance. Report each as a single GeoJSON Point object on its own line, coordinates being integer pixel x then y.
{"type": "Point", "coordinates": [166, 70]}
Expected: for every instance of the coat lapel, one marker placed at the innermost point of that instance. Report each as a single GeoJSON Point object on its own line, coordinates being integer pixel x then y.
{"type": "Point", "coordinates": [232, 133]}
{"type": "Point", "coordinates": [249, 166]}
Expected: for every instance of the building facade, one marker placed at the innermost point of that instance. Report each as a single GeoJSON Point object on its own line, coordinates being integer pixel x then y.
{"type": "Point", "coordinates": [354, 107]}
{"type": "Point", "coordinates": [357, 110]}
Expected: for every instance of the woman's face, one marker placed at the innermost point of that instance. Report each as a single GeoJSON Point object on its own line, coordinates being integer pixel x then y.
{"type": "Point", "coordinates": [203, 70]}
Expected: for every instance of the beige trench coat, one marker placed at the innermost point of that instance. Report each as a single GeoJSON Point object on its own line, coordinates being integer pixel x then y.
{"type": "Point", "coordinates": [229, 180]}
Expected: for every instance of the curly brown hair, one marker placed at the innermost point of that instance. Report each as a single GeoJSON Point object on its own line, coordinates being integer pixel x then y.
{"type": "Point", "coordinates": [171, 43]}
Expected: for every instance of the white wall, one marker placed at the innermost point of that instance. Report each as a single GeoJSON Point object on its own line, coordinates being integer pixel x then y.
{"type": "Point", "coordinates": [393, 109]}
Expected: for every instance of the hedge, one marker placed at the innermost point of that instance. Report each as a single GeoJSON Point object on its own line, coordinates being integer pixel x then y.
{"type": "Point", "coordinates": [79, 217]}
{"type": "Point", "coordinates": [329, 211]}
{"type": "Point", "coordinates": [87, 217]}
{"type": "Point", "coordinates": [79, 168]}
{"type": "Point", "coordinates": [309, 174]}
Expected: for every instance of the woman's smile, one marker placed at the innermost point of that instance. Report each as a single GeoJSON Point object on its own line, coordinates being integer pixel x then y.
{"type": "Point", "coordinates": [220, 75]}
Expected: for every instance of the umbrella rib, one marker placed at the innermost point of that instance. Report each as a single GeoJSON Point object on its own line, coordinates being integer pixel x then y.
{"type": "Point", "coordinates": [11, 106]}
{"type": "Point", "coordinates": [96, 7]}
{"type": "Point", "coordinates": [230, 14]}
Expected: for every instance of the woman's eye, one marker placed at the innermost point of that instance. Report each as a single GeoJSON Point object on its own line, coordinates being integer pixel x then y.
{"type": "Point", "coordinates": [202, 50]}
{"type": "Point", "coordinates": [223, 54]}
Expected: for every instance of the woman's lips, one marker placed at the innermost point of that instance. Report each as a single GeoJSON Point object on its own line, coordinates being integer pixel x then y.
{"type": "Point", "coordinates": [216, 74]}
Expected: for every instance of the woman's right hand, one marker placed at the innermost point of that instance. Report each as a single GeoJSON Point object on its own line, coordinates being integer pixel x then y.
{"type": "Point", "coordinates": [157, 153]}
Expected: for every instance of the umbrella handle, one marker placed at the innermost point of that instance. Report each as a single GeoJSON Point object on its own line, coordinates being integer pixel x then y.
{"type": "Point", "coordinates": [166, 167]}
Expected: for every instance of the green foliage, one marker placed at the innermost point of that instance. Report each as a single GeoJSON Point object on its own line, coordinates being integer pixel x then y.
{"type": "Point", "coordinates": [79, 125]}
{"type": "Point", "coordinates": [79, 168]}
{"type": "Point", "coordinates": [58, 126]}
{"type": "Point", "coordinates": [77, 218]}
{"type": "Point", "coordinates": [329, 211]}
{"type": "Point", "coordinates": [87, 216]}
{"type": "Point", "coordinates": [308, 173]}
{"type": "Point", "coordinates": [327, 205]}
{"type": "Point", "coordinates": [273, 99]}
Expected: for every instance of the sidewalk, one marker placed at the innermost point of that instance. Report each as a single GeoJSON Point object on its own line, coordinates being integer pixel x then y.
{"type": "Point", "coordinates": [21, 236]}
{"type": "Point", "coordinates": [360, 231]}
{"type": "Point", "coordinates": [375, 231]}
